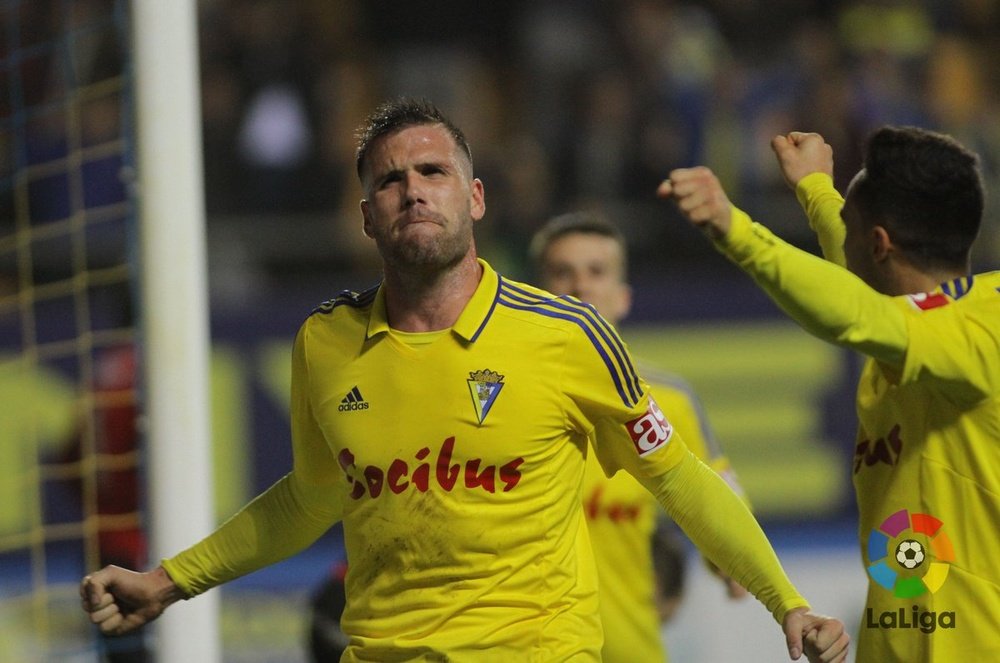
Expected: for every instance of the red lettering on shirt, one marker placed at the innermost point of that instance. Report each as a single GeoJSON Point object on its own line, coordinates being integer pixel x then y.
{"type": "Point", "coordinates": [447, 475]}
{"type": "Point", "coordinates": [596, 507]}
{"type": "Point", "coordinates": [883, 450]}
{"type": "Point", "coordinates": [422, 475]}
{"type": "Point", "coordinates": [510, 475]}
{"type": "Point", "coordinates": [397, 470]}
{"type": "Point", "coordinates": [373, 477]}
{"type": "Point", "coordinates": [372, 480]}
{"type": "Point", "coordinates": [346, 459]}
{"type": "Point", "coordinates": [475, 479]}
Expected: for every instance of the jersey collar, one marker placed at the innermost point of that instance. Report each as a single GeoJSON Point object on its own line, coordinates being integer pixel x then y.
{"type": "Point", "coordinates": [473, 318]}
{"type": "Point", "coordinates": [957, 288]}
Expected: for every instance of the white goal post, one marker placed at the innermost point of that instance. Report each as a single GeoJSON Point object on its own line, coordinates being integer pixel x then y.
{"type": "Point", "coordinates": [174, 325]}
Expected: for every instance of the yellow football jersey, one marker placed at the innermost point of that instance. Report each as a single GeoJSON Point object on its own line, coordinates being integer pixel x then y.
{"type": "Point", "coordinates": [927, 478]}
{"type": "Point", "coordinates": [455, 461]}
{"type": "Point", "coordinates": [621, 518]}
{"type": "Point", "coordinates": [927, 456]}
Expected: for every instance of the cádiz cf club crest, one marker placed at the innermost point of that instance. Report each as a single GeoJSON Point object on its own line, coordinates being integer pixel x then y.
{"type": "Point", "coordinates": [485, 386]}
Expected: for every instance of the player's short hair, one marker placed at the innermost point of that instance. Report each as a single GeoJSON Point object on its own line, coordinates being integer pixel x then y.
{"type": "Point", "coordinates": [926, 190]}
{"type": "Point", "coordinates": [585, 222]}
{"type": "Point", "coordinates": [392, 116]}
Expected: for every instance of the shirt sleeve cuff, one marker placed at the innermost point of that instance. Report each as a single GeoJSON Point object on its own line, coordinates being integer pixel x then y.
{"type": "Point", "coordinates": [812, 185]}
{"type": "Point", "coordinates": [179, 578]}
{"type": "Point", "coordinates": [740, 242]}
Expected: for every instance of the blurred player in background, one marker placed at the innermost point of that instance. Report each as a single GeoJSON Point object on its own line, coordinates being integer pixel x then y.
{"type": "Point", "coordinates": [444, 418]}
{"type": "Point", "coordinates": [327, 641]}
{"type": "Point", "coordinates": [584, 255]}
{"type": "Point", "coordinates": [927, 460]}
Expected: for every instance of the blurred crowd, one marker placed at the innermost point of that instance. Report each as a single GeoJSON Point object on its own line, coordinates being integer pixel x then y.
{"type": "Point", "coordinates": [578, 103]}
{"type": "Point", "coordinates": [567, 104]}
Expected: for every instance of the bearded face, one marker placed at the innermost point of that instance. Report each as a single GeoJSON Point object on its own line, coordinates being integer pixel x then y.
{"type": "Point", "coordinates": [421, 199]}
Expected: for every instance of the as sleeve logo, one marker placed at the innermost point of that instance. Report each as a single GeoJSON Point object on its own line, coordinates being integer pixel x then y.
{"type": "Point", "coordinates": [650, 431]}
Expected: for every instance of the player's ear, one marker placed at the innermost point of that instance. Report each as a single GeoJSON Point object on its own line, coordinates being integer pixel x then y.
{"type": "Point", "coordinates": [881, 243]}
{"type": "Point", "coordinates": [478, 206]}
{"type": "Point", "coordinates": [366, 224]}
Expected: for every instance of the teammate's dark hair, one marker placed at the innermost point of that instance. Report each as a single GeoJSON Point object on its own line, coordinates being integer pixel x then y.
{"type": "Point", "coordinates": [587, 222]}
{"type": "Point", "coordinates": [925, 189]}
{"type": "Point", "coordinates": [392, 116]}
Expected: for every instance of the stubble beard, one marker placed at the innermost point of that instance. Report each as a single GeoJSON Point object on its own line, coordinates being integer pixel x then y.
{"type": "Point", "coordinates": [428, 255]}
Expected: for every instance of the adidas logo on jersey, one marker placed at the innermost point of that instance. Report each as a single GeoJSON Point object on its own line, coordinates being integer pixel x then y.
{"type": "Point", "coordinates": [353, 401]}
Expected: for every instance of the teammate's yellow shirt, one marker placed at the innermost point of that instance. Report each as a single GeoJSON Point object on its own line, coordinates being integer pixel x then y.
{"type": "Point", "coordinates": [927, 457]}
{"type": "Point", "coordinates": [455, 461]}
{"type": "Point", "coordinates": [621, 518]}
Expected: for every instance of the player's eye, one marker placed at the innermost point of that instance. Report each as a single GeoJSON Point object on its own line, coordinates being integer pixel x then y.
{"type": "Point", "coordinates": [432, 169]}
{"type": "Point", "coordinates": [389, 179]}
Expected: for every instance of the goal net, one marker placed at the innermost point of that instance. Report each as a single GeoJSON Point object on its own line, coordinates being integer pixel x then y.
{"type": "Point", "coordinates": [71, 455]}
{"type": "Point", "coordinates": [75, 444]}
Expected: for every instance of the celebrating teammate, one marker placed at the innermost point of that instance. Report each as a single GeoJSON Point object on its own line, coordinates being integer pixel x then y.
{"type": "Point", "coordinates": [444, 418]}
{"type": "Point", "coordinates": [584, 255]}
{"type": "Point", "coordinates": [928, 403]}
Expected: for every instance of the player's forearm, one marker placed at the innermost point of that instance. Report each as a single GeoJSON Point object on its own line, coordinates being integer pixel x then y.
{"type": "Point", "coordinates": [826, 300]}
{"type": "Point", "coordinates": [724, 530]}
{"type": "Point", "coordinates": [822, 204]}
{"type": "Point", "coordinates": [279, 523]}
{"type": "Point", "coordinates": [724, 469]}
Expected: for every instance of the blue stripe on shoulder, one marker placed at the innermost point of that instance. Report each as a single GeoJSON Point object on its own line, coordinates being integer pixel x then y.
{"type": "Point", "coordinates": [603, 327]}
{"type": "Point", "coordinates": [622, 372]}
{"type": "Point", "coordinates": [347, 298]}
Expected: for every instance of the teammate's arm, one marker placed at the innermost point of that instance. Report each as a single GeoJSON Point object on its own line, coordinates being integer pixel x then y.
{"type": "Point", "coordinates": [806, 162]}
{"type": "Point", "coordinates": [837, 306]}
{"type": "Point", "coordinates": [826, 300]}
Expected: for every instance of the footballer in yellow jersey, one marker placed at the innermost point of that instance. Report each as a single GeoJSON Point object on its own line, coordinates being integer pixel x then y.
{"type": "Point", "coordinates": [927, 468]}
{"type": "Point", "coordinates": [622, 517]}
{"type": "Point", "coordinates": [444, 418]}
{"type": "Point", "coordinates": [462, 519]}
{"type": "Point", "coordinates": [927, 456]}
{"type": "Point", "coordinates": [584, 255]}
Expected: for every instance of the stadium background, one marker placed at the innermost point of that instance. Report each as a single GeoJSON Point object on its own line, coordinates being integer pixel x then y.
{"type": "Point", "coordinates": [566, 104]}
